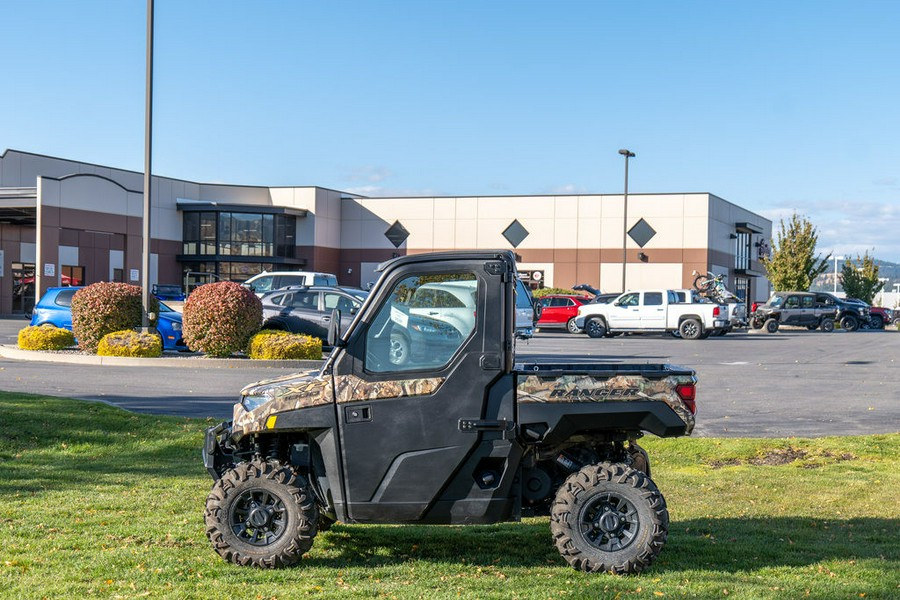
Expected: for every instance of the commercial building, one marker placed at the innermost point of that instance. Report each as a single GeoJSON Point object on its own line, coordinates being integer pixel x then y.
{"type": "Point", "coordinates": [66, 222]}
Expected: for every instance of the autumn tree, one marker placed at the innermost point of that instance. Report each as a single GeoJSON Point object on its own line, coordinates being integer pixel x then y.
{"type": "Point", "coordinates": [860, 278]}
{"type": "Point", "coordinates": [793, 264]}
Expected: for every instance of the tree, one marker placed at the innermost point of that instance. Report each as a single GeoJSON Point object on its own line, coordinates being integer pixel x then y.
{"type": "Point", "coordinates": [860, 278]}
{"type": "Point", "coordinates": [793, 264]}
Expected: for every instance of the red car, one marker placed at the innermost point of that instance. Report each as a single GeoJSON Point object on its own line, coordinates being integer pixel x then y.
{"type": "Point", "coordinates": [560, 310]}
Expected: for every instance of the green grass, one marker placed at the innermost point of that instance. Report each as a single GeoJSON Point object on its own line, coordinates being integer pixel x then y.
{"type": "Point", "coordinates": [97, 502]}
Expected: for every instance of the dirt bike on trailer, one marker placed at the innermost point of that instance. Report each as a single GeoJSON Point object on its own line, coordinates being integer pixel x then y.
{"type": "Point", "coordinates": [458, 434]}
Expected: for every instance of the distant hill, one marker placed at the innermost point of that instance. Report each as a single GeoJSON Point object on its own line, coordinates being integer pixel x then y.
{"type": "Point", "coordinates": [825, 281]}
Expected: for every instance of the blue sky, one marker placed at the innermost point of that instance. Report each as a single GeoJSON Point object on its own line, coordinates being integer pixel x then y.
{"type": "Point", "coordinates": [775, 106]}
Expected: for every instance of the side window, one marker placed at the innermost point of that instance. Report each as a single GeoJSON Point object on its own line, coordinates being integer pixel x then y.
{"type": "Point", "coordinates": [64, 298]}
{"type": "Point", "coordinates": [629, 300]}
{"type": "Point", "coordinates": [263, 284]}
{"type": "Point", "coordinates": [809, 302]}
{"type": "Point", "coordinates": [653, 299]}
{"type": "Point", "coordinates": [422, 324]}
{"type": "Point", "coordinates": [338, 301]}
{"type": "Point", "coordinates": [545, 302]}
{"type": "Point", "coordinates": [792, 302]}
{"type": "Point", "coordinates": [306, 300]}
{"type": "Point", "coordinates": [281, 299]}
{"type": "Point", "coordinates": [286, 280]}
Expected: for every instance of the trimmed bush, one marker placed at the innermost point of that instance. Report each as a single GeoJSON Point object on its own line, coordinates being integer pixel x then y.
{"type": "Point", "coordinates": [280, 345]}
{"type": "Point", "coordinates": [105, 307]}
{"type": "Point", "coordinates": [130, 343]}
{"type": "Point", "coordinates": [45, 337]}
{"type": "Point", "coordinates": [219, 318]}
{"type": "Point", "coordinates": [546, 291]}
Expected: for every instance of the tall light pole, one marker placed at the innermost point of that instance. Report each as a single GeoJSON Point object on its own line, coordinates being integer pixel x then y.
{"type": "Point", "coordinates": [627, 154]}
{"type": "Point", "coordinates": [836, 258]}
{"type": "Point", "coordinates": [148, 146]}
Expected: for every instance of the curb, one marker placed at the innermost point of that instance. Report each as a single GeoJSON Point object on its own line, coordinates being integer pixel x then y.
{"type": "Point", "coordinates": [192, 362]}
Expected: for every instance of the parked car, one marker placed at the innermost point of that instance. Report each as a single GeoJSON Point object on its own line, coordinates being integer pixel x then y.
{"type": "Point", "coordinates": [651, 311]}
{"type": "Point", "coordinates": [167, 292]}
{"type": "Point", "coordinates": [268, 282]}
{"type": "Point", "coordinates": [308, 309]}
{"type": "Point", "coordinates": [800, 309]}
{"type": "Point", "coordinates": [851, 313]}
{"type": "Point", "coordinates": [879, 317]}
{"type": "Point", "coordinates": [528, 311]}
{"type": "Point", "coordinates": [736, 310]}
{"type": "Point", "coordinates": [558, 311]}
{"type": "Point", "coordinates": [55, 308]}
{"type": "Point", "coordinates": [598, 297]}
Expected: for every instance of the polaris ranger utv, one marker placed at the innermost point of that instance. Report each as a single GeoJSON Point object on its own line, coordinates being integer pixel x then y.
{"type": "Point", "coordinates": [421, 416]}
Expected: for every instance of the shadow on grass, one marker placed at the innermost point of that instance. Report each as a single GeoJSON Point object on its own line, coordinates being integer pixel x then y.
{"type": "Point", "coordinates": [725, 544]}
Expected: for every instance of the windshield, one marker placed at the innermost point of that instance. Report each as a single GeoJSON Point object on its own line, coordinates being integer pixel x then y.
{"type": "Point", "coordinates": [775, 301]}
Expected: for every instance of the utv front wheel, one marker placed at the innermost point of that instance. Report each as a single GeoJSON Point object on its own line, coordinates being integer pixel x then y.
{"type": "Point", "coordinates": [261, 514]}
{"type": "Point", "coordinates": [609, 517]}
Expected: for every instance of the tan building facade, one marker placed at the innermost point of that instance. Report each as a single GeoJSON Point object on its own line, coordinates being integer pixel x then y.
{"type": "Point", "coordinates": [68, 222]}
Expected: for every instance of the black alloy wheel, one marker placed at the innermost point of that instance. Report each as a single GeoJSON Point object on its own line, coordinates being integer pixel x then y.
{"type": "Point", "coordinates": [595, 328]}
{"type": "Point", "coordinates": [849, 323]}
{"type": "Point", "coordinates": [771, 325]}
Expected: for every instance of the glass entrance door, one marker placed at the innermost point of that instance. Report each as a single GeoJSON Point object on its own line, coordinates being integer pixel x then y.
{"type": "Point", "coordinates": [23, 288]}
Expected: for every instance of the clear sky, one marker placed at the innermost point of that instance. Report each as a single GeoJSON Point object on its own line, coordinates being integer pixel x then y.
{"type": "Point", "coordinates": [776, 106]}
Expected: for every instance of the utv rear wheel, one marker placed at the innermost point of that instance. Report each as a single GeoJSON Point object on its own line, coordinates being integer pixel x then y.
{"type": "Point", "coordinates": [261, 514]}
{"type": "Point", "coordinates": [571, 327]}
{"type": "Point", "coordinates": [609, 517]}
{"type": "Point", "coordinates": [771, 325]}
{"type": "Point", "coordinates": [595, 328]}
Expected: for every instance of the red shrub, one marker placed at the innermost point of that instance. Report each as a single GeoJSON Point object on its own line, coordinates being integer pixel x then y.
{"type": "Point", "coordinates": [105, 307]}
{"type": "Point", "coordinates": [219, 318]}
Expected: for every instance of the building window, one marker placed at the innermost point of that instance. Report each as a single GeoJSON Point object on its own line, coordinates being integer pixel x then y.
{"type": "Point", "coordinates": [119, 275]}
{"type": "Point", "coordinates": [72, 275]}
{"type": "Point", "coordinates": [742, 251]}
{"type": "Point", "coordinates": [210, 233]}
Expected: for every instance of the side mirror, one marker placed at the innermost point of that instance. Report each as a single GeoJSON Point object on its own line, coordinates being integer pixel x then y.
{"type": "Point", "coordinates": [334, 329]}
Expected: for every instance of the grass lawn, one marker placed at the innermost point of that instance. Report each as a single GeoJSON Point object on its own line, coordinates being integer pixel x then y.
{"type": "Point", "coordinates": [98, 502]}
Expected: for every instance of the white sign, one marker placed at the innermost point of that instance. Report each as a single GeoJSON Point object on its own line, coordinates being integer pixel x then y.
{"type": "Point", "coordinates": [134, 275]}
{"type": "Point", "coordinates": [49, 270]}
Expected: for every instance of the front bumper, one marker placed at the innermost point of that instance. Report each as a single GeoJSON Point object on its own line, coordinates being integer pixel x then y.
{"type": "Point", "coordinates": [216, 458]}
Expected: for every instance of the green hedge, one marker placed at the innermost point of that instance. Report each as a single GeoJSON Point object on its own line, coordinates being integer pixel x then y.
{"type": "Point", "coordinates": [105, 307]}
{"type": "Point", "coordinates": [130, 343]}
{"type": "Point", "coordinates": [219, 318]}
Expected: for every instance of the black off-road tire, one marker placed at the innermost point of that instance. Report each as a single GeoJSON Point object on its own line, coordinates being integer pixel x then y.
{"type": "Point", "coordinates": [609, 518]}
{"type": "Point", "coordinates": [690, 329]}
{"type": "Point", "coordinates": [571, 327]}
{"type": "Point", "coordinates": [595, 328]}
{"type": "Point", "coordinates": [261, 514]}
{"type": "Point", "coordinates": [827, 325]}
{"type": "Point", "coordinates": [771, 326]}
{"type": "Point", "coordinates": [756, 322]}
{"type": "Point", "coordinates": [701, 282]}
{"type": "Point", "coordinates": [876, 322]}
{"type": "Point", "coordinates": [849, 323]}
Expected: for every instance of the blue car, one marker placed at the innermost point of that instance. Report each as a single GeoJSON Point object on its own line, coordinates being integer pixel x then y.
{"type": "Point", "coordinates": [55, 308]}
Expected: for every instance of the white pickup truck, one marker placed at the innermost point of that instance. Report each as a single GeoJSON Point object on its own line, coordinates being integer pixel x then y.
{"type": "Point", "coordinates": [645, 311]}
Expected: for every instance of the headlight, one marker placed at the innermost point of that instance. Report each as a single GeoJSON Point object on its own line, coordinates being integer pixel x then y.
{"type": "Point", "coordinates": [253, 402]}
{"type": "Point", "coordinates": [176, 326]}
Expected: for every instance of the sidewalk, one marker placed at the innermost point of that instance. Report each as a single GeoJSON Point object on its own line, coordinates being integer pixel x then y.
{"type": "Point", "coordinates": [192, 361]}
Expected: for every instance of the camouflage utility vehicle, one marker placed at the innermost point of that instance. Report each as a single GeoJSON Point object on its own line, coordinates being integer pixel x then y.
{"type": "Point", "coordinates": [421, 415]}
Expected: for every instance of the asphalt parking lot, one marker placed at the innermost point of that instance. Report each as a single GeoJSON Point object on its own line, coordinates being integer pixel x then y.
{"type": "Point", "coordinates": [793, 383]}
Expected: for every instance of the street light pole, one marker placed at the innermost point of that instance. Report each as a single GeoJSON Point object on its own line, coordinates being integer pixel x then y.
{"type": "Point", "coordinates": [627, 154]}
{"type": "Point", "coordinates": [836, 258]}
{"type": "Point", "coordinates": [148, 122]}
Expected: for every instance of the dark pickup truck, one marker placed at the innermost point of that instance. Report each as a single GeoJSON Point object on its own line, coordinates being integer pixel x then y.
{"type": "Point", "coordinates": [460, 435]}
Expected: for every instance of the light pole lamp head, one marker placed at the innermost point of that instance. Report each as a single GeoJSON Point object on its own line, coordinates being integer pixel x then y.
{"type": "Point", "coordinates": [626, 153]}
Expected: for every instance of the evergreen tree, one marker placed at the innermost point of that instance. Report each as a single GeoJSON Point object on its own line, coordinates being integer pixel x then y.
{"type": "Point", "coordinates": [860, 278]}
{"type": "Point", "coordinates": [793, 264]}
